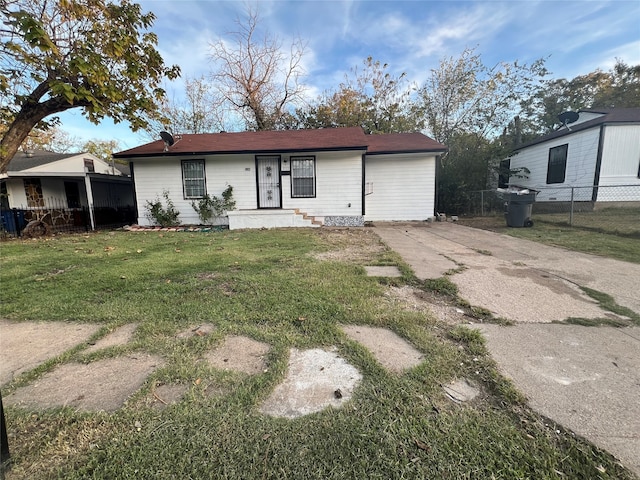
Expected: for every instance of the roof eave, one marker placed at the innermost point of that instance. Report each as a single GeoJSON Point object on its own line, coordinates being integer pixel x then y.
{"type": "Point", "coordinates": [396, 152]}
{"type": "Point", "coordinates": [238, 152]}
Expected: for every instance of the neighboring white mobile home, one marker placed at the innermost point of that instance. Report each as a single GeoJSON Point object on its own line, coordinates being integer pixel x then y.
{"type": "Point", "coordinates": [333, 177]}
{"type": "Point", "coordinates": [600, 149]}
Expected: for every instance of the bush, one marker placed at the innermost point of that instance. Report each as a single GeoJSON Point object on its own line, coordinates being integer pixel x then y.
{"type": "Point", "coordinates": [161, 215]}
{"type": "Point", "coordinates": [211, 207]}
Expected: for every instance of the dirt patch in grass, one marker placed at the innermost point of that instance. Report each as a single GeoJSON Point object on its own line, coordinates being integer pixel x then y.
{"type": "Point", "coordinates": [241, 354]}
{"type": "Point", "coordinates": [164, 395]}
{"type": "Point", "coordinates": [197, 331]}
{"type": "Point", "coordinates": [354, 246]}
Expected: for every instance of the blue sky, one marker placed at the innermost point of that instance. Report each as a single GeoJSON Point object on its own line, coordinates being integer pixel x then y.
{"type": "Point", "coordinates": [576, 37]}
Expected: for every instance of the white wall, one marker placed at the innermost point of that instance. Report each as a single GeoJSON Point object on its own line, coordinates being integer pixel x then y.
{"type": "Point", "coordinates": [338, 185]}
{"type": "Point", "coordinates": [74, 164]}
{"type": "Point", "coordinates": [620, 163]}
{"type": "Point", "coordinates": [580, 171]}
{"type": "Point", "coordinates": [403, 187]}
{"type": "Point", "coordinates": [53, 192]}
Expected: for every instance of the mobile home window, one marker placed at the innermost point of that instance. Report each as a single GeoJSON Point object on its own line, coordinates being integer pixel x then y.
{"type": "Point", "coordinates": [303, 177]}
{"type": "Point", "coordinates": [557, 167]}
{"type": "Point", "coordinates": [193, 178]}
{"type": "Point", "coordinates": [504, 173]}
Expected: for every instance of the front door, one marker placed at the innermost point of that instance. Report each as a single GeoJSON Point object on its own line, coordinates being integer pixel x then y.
{"type": "Point", "coordinates": [268, 178]}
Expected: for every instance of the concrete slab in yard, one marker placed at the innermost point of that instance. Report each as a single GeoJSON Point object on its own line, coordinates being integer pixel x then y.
{"type": "Point", "coordinates": [120, 336]}
{"type": "Point", "coordinates": [241, 354]}
{"type": "Point", "coordinates": [316, 379]}
{"type": "Point", "coordinates": [514, 292]}
{"type": "Point", "coordinates": [100, 385]}
{"type": "Point", "coordinates": [25, 345]}
{"type": "Point", "coordinates": [461, 390]}
{"type": "Point", "coordinates": [392, 351]}
{"type": "Point", "coordinates": [585, 378]}
{"type": "Point", "coordinates": [425, 260]}
{"type": "Point", "coordinates": [383, 271]}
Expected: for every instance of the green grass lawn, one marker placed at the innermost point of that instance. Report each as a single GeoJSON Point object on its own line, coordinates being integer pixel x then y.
{"type": "Point", "coordinates": [288, 288]}
{"type": "Point", "coordinates": [619, 238]}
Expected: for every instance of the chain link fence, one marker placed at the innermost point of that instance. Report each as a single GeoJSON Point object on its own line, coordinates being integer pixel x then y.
{"type": "Point", "coordinates": [611, 209]}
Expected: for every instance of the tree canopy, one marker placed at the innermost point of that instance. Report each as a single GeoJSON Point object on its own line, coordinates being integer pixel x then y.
{"type": "Point", "coordinates": [370, 97]}
{"type": "Point", "coordinates": [617, 88]}
{"type": "Point", "coordinates": [95, 55]}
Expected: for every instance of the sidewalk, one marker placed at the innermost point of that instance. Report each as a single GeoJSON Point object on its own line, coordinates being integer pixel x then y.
{"type": "Point", "coordinates": [585, 378]}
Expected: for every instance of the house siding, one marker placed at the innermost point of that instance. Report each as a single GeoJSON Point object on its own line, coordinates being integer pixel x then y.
{"type": "Point", "coordinates": [74, 165]}
{"type": "Point", "coordinates": [53, 192]}
{"type": "Point", "coordinates": [338, 185]}
{"type": "Point", "coordinates": [620, 163]}
{"type": "Point", "coordinates": [403, 187]}
{"type": "Point", "coordinates": [580, 167]}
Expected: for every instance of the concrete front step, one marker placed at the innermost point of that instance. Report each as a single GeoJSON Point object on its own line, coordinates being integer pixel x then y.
{"type": "Point", "coordinates": [277, 218]}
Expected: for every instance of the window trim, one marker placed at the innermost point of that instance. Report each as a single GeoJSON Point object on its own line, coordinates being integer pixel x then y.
{"type": "Point", "coordinates": [293, 176]}
{"type": "Point", "coordinates": [184, 179]}
{"type": "Point", "coordinates": [552, 175]}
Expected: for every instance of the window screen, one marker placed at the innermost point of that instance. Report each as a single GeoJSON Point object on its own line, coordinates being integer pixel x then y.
{"type": "Point", "coordinates": [193, 178]}
{"type": "Point", "coordinates": [303, 177]}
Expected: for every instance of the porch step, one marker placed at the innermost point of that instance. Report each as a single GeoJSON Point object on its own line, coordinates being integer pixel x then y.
{"type": "Point", "coordinates": [306, 216]}
{"type": "Point", "coordinates": [240, 219]}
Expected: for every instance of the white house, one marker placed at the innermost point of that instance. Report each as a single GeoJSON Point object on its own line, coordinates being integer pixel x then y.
{"type": "Point", "coordinates": [53, 186]}
{"type": "Point", "coordinates": [333, 177]}
{"type": "Point", "coordinates": [598, 151]}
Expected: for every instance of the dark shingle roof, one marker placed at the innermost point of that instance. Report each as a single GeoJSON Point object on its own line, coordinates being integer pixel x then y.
{"type": "Point", "coordinates": [402, 143]}
{"type": "Point", "coordinates": [250, 142]}
{"type": "Point", "coordinates": [610, 115]}
{"type": "Point", "coordinates": [349, 138]}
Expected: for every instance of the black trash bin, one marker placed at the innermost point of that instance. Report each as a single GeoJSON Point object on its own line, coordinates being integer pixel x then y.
{"type": "Point", "coordinates": [518, 207]}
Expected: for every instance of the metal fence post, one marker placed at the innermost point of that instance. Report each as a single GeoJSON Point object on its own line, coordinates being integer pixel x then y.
{"type": "Point", "coordinates": [571, 210]}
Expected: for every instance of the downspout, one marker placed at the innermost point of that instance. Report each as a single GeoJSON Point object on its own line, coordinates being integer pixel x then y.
{"type": "Point", "coordinates": [435, 187]}
{"type": "Point", "coordinates": [596, 178]}
{"type": "Point", "coordinates": [363, 193]}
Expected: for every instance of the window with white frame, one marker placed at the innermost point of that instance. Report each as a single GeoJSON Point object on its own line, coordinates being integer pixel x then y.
{"type": "Point", "coordinates": [303, 177]}
{"type": "Point", "coordinates": [193, 184]}
{"type": "Point", "coordinates": [557, 168]}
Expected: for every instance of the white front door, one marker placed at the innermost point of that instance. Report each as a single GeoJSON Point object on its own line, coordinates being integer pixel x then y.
{"type": "Point", "coordinates": [268, 180]}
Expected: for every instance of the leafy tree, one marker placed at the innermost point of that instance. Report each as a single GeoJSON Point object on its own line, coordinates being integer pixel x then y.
{"type": "Point", "coordinates": [465, 96]}
{"type": "Point", "coordinates": [617, 88]}
{"type": "Point", "coordinates": [102, 149]}
{"type": "Point", "coordinates": [255, 77]}
{"type": "Point", "coordinates": [53, 139]}
{"type": "Point", "coordinates": [466, 105]}
{"type": "Point", "coordinates": [95, 55]}
{"type": "Point", "coordinates": [371, 97]}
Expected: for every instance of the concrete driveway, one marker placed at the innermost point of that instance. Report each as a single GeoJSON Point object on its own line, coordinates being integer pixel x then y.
{"type": "Point", "coordinates": [585, 378]}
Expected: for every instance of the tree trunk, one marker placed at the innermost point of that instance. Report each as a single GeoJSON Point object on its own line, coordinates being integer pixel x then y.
{"type": "Point", "coordinates": [28, 117]}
